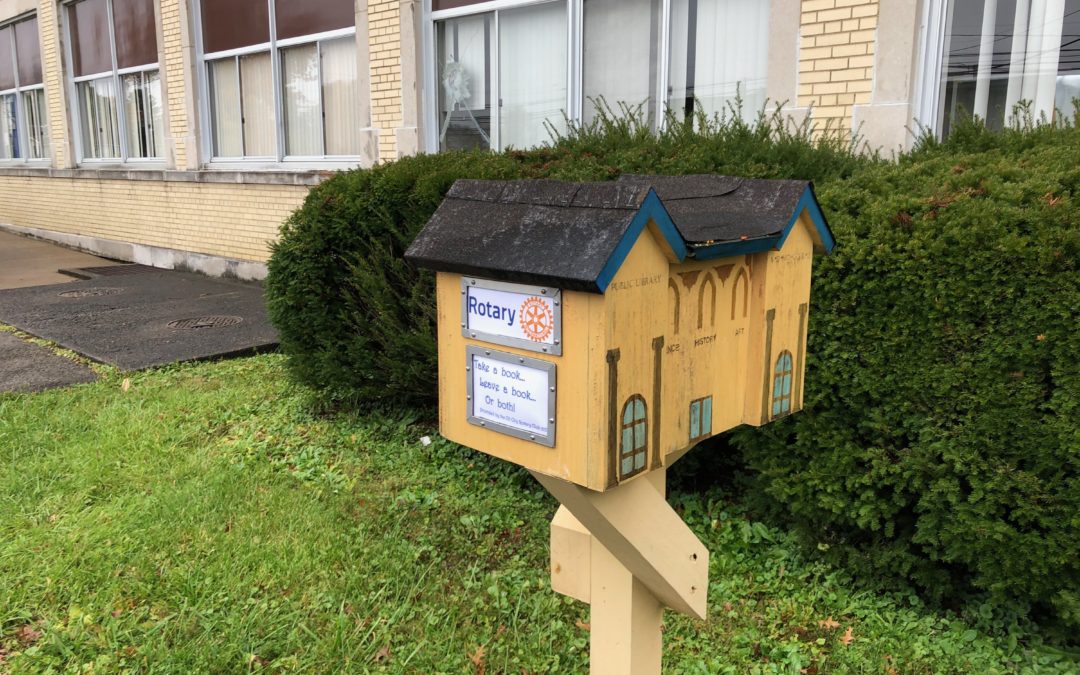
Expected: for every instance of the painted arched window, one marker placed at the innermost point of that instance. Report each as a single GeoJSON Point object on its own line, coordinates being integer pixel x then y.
{"type": "Point", "coordinates": [781, 389]}
{"type": "Point", "coordinates": [634, 451]}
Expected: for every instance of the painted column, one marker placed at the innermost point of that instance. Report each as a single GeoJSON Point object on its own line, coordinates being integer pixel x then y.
{"type": "Point", "coordinates": [657, 391]}
{"type": "Point", "coordinates": [613, 417]}
{"type": "Point", "coordinates": [766, 389]}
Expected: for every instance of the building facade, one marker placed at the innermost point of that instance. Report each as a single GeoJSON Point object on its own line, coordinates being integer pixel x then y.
{"type": "Point", "coordinates": [183, 132]}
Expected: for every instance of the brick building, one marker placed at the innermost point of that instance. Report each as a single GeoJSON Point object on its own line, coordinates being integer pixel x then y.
{"type": "Point", "coordinates": [182, 132]}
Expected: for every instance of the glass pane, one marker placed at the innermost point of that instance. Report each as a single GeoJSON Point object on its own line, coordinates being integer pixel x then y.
{"type": "Point", "coordinates": [464, 67]}
{"type": "Point", "coordinates": [9, 137]}
{"type": "Point", "coordinates": [293, 18]}
{"type": "Point", "coordinates": [532, 74]}
{"type": "Point", "coordinates": [787, 385]}
{"type": "Point", "coordinates": [303, 108]}
{"type": "Point", "coordinates": [706, 416]}
{"type": "Point", "coordinates": [37, 128]}
{"type": "Point", "coordinates": [621, 76]}
{"type": "Point", "coordinates": [776, 407]}
{"type": "Point", "coordinates": [999, 54]}
{"type": "Point", "coordinates": [136, 33]}
{"type": "Point", "coordinates": [142, 110]}
{"type": "Point", "coordinates": [639, 435]}
{"type": "Point", "coordinates": [627, 441]}
{"type": "Point", "coordinates": [639, 461]}
{"type": "Point", "coordinates": [341, 97]}
{"type": "Point", "coordinates": [719, 48]}
{"type": "Point", "coordinates": [961, 64]}
{"type": "Point", "coordinates": [100, 128]}
{"type": "Point", "coordinates": [639, 409]}
{"type": "Point", "coordinates": [695, 419]}
{"type": "Point", "coordinates": [628, 413]}
{"type": "Point", "coordinates": [228, 24]}
{"type": "Point", "coordinates": [627, 465]}
{"type": "Point", "coordinates": [227, 130]}
{"type": "Point", "coordinates": [7, 65]}
{"type": "Point", "coordinates": [28, 52]}
{"type": "Point", "coordinates": [257, 103]}
{"type": "Point", "coordinates": [88, 28]}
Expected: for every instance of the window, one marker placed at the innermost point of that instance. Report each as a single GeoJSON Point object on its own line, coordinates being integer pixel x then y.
{"type": "Point", "coordinates": [719, 50]}
{"type": "Point", "coordinates": [999, 53]}
{"type": "Point", "coordinates": [512, 76]}
{"type": "Point", "coordinates": [700, 419]}
{"type": "Point", "coordinates": [633, 450]}
{"type": "Point", "coordinates": [781, 391]}
{"type": "Point", "coordinates": [526, 47]}
{"type": "Point", "coordinates": [23, 129]}
{"type": "Point", "coordinates": [281, 84]}
{"type": "Point", "coordinates": [114, 65]}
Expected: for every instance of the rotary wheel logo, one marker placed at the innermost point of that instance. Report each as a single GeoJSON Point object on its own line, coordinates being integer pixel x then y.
{"type": "Point", "coordinates": [537, 320]}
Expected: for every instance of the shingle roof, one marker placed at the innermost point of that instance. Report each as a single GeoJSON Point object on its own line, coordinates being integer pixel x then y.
{"type": "Point", "coordinates": [575, 235]}
{"type": "Point", "coordinates": [720, 209]}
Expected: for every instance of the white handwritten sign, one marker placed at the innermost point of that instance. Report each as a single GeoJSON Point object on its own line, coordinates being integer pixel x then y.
{"type": "Point", "coordinates": [510, 396]}
{"type": "Point", "coordinates": [512, 314]}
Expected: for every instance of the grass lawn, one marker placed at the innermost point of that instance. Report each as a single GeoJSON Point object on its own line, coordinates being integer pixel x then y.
{"type": "Point", "coordinates": [203, 519]}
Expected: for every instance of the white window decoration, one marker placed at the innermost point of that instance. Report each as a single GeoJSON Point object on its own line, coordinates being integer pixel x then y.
{"type": "Point", "coordinates": [281, 85]}
{"type": "Point", "coordinates": [511, 74]}
{"type": "Point", "coordinates": [24, 132]}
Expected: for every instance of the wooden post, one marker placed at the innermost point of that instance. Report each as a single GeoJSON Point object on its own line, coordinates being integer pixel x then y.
{"type": "Point", "coordinates": [624, 620]}
{"type": "Point", "coordinates": [634, 551]}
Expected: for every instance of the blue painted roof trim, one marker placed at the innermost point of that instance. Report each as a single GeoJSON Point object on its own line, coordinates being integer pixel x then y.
{"type": "Point", "coordinates": [651, 209]}
{"type": "Point", "coordinates": [807, 202]}
{"type": "Point", "coordinates": [729, 249]}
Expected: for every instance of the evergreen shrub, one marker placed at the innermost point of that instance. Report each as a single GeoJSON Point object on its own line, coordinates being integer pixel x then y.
{"type": "Point", "coordinates": [941, 440]}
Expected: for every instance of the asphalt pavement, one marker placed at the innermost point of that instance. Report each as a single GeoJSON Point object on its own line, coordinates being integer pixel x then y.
{"type": "Point", "coordinates": [129, 316]}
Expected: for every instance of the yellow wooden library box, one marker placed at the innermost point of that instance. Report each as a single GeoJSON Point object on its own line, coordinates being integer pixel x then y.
{"type": "Point", "coordinates": [594, 332]}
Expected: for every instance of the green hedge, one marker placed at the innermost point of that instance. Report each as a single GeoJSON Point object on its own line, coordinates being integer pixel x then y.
{"type": "Point", "coordinates": [940, 442]}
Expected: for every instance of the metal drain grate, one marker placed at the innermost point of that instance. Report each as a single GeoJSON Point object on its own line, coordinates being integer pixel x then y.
{"type": "Point", "coordinates": [90, 292]}
{"type": "Point", "coordinates": [202, 322]}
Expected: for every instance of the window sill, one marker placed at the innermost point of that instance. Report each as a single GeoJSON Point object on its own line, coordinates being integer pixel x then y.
{"type": "Point", "coordinates": [231, 176]}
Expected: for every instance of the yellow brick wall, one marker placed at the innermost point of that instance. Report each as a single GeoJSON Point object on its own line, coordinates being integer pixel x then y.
{"type": "Point", "coordinates": [229, 220]}
{"type": "Point", "coordinates": [384, 40]}
{"type": "Point", "coordinates": [173, 67]}
{"type": "Point", "coordinates": [836, 58]}
{"type": "Point", "coordinates": [54, 82]}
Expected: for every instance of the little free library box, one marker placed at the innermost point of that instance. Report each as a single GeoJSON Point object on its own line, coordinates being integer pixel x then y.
{"type": "Point", "coordinates": [594, 332]}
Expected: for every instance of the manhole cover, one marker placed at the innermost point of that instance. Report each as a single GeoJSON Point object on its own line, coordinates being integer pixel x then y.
{"type": "Point", "coordinates": [90, 292]}
{"type": "Point", "coordinates": [205, 322]}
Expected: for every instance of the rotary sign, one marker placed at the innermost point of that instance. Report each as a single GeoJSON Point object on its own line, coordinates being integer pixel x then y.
{"type": "Point", "coordinates": [514, 315]}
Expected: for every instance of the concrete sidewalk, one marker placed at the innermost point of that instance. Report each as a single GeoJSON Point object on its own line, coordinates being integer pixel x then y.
{"type": "Point", "coordinates": [32, 262]}
{"type": "Point", "coordinates": [129, 316]}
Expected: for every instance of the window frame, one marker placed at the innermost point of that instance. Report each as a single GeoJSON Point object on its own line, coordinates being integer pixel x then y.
{"type": "Point", "coordinates": [703, 433]}
{"type": "Point", "coordinates": [274, 46]}
{"type": "Point", "coordinates": [116, 75]}
{"type": "Point", "coordinates": [632, 425]}
{"type": "Point", "coordinates": [21, 130]}
{"type": "Point", "coordinates": [779, 398]}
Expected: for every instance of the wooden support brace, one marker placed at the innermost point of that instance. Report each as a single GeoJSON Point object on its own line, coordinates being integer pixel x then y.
{"type": "Point", "coordinates": [635, 524]}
